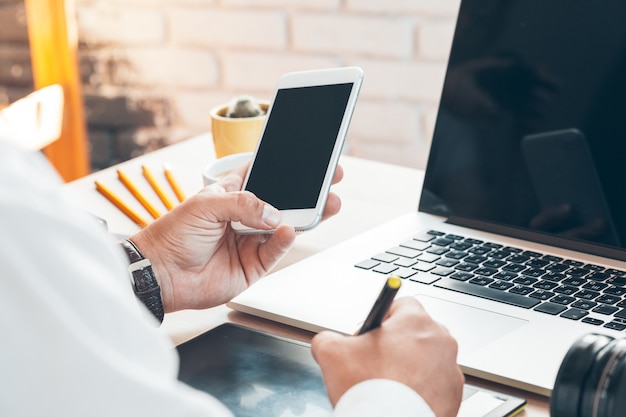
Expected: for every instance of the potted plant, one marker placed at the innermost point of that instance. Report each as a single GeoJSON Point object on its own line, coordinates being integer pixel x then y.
{"type": "Point", "coordinates": [236, 126]}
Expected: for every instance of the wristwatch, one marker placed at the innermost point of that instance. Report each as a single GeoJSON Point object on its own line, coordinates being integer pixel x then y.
{"type": "Point", "coordinates": [142, 279]}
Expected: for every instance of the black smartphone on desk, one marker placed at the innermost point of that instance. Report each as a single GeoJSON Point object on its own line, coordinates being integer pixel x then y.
{"type": "Point", "coordinates": [305, 128]}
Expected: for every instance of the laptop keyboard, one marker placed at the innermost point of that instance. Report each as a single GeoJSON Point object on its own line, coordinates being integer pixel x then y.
{"type": "Point", "coordinates": [549, 284]}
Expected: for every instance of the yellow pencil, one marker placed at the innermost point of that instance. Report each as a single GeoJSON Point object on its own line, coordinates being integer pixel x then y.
{"type": "Point", "coordinates": [156, 187]}
{"type": "Point", "coordinates": [173, 183]}
{"type": "Point", "coordinates": [117, 202]}
{"type": "Point", "coordinates": [135, 191]}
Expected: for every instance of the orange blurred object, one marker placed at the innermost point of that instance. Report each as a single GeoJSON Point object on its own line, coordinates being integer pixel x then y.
{"type": "Point", "coordinates": [53, 37]}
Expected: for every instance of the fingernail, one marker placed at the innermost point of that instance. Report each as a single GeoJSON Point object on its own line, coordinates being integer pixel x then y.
{"type": "Point", "coordinates": [271, 216]}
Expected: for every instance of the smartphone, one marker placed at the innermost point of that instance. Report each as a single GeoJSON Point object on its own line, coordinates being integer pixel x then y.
{"type": "Point", "coordinates": [305, 128]}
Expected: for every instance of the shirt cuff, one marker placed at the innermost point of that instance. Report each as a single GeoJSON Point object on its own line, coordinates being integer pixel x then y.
{"type": "Point", "coordinates": [382, 397]}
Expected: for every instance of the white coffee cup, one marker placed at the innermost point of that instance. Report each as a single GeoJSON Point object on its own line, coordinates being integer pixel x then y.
{"type": "Point", "coordinates": [223, 166]}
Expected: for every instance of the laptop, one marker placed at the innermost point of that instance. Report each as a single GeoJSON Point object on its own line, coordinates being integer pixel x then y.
{"type": "Point", "coordinates": [518, 243]}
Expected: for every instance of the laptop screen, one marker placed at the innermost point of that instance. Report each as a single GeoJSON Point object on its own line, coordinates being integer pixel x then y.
{"type": "Point", "coordinates": [530, 139]}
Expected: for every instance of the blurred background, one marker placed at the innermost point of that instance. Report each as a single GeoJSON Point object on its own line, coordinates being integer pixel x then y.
{"type": "Point", "coordinates": [151, 70]}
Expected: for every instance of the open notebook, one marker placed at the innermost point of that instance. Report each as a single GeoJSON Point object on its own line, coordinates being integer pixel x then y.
{"type": "Point", "coordinates": [518, 242]}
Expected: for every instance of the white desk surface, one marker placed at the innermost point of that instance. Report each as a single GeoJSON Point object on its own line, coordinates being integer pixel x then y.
{"type": "Point", "coordinates": [371, 193]}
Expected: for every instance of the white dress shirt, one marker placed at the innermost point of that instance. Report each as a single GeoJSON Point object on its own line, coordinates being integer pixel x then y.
{"type": "Point", "coordinates": [75, 340]}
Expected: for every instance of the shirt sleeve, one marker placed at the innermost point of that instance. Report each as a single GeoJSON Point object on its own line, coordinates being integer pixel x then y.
{"type": "Point", "coordinates": [75, 340]}
{"type": "Point", "coordinates": [382, 397]}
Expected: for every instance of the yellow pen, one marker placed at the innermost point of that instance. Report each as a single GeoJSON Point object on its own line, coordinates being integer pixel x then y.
{"type": "Point", "coordinates": [156, 187]}
{"type": "Point", "coordinates": [381, 305]}
{"type": "Point", "coordinates": [135, 192]}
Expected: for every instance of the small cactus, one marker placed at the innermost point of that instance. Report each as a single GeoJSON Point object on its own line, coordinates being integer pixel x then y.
{"type": "Point", "coordinates": [244, 106]}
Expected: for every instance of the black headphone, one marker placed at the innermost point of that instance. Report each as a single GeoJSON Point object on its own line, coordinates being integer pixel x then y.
{"type": "Point", "coordinates": [591, 381]}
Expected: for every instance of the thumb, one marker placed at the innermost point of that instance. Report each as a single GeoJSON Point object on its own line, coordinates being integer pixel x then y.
{"type": "Point", "coordinates": [244, 207]}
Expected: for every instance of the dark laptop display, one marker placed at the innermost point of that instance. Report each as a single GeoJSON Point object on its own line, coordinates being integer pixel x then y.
{"type": "Point", "coordinates": [530, 139]}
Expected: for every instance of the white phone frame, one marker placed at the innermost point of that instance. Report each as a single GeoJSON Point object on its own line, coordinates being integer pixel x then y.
{"type": "Point", "coordinates": [306, 219]}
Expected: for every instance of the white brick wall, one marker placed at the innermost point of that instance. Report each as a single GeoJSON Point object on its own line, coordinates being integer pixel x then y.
{"type": "Point", "coordinates": [198, 53]}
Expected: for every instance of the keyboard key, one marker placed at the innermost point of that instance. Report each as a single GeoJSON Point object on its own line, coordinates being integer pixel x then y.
{"type": "Point", "coordinates": [621, 313]}
{"type": "Point", "coordinates": [467, 267]}
{"type": "Point", "coordinates": [498, 255]}
{"type": "Point", "coordinates": [405, 262]}
{"type": "Point", "coordinates": [435, 233]}
{"type": "Point", "coordinates": [513, 267]}
{"type": "Point", "coordinates": [518, 259]}
{"type": "Point", "coordinates": [574, 314]}
{"type": "Point", "coordinates": [456, 254]}
{"type": "Point", "coordinates": [485, 271]}
{"type": "Point", "coordinates": [442, 241]}
{"type": "Point", "coordinates": [598, 276]}
{"type": "Point", "coordinates": [385, 268]}
{"type": "Point", "coordinates": [476, 259]}
{"type": "Point", "coordinates": [521, 290]}
{"type": "Point", "coordinates": [615, 326]}
{"type": "Point", "coordinates": [577, 272]}
{"type": "Point", "coordinates": [537, 263]}
{"type": "Point", "coordinates": [575, 282]}
{"type": "Point", "coordinates": [613, 290]}
{"type": "Point", "coordinates": [566, 290]}
{"type": "Point", "coordinates": [424, 237]}
{"type": "Point", "coordinates": [586, 294]}
{"type": "Point", "coordinates": [605, 309]}
{"type": "Point", "coordinates": [437, 250]}
{"type": "Point", "coordinates": [494, 263]}
{"type": "Point", "coordinates": [492, 245]}
{"type": "Point", "coordinates": [423, 266]}
{"type": "Point", "coordinates": [414, 244]}
{"type": "Point", "coordinates": [552, 258]}
{"type": "Point", "coordinates": [385, 257]}
{"type": "Point", "coordinates": [572, 262]}
{"type": "Point", "coordinates": [460, 246]}
{"type": "Point", "coordinates": [542, 295]}
{"type": "Point", "coordinates": [533, 272]}
{"type": "Point", "coordinates": [501, 285]}
{"type": "Point", "coordinates": [584, 304]}
{"type": "Point", "coordinates": [406, 252]}
{"type": "Point", "coordinates": [505, 275]}
{"type": "Point", "coordinates": [367, 264]}
{"type": "Point", "coordinates": [455, 237]}
{"type": "Point", "coordinates": [563, 299]}
{"type": "Point", "coordinates": [550, 308]}
{"type": "Point", "coordinates": [405, 272]}
{"type": "Point", "coordinates": [525, 280]}
{"type": "Point", "coordinates": [595, 286]}
{"type": "Point", "coordinates": [532, 254]}
{"type": "Point", "coordinates": [591, 320]}
{"type": "Point", "coordinates": [554, 276]}
{"type": "Point", "coordinates": [608, 299]}
{"type": "Point", "coordinates": [545, 285]}
{"type": "Point", "coordinates": [481, 281]}
{"type": "Point", "coordinates": [447, 262]}
{"type": "Point", "coordinates": [442, 271]}
{"type": "Point", "coordinates": [486, 292]}
{"type": "Point", "coordinates": [480, 250]}
{"type": "Point", "coordinates": [462, 276]}
{"type": "Point", "coordinates": [473, 241]}
{"type": "Point", "coordinates": [424, 278]}
{"type": "Point", "coordinates": [557, 268]}
{"type": "Point", "coordinates": [428, 257]}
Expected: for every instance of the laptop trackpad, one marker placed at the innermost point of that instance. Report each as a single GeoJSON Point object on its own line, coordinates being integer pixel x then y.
{"type": "Point", "coordinates": [472, 327]}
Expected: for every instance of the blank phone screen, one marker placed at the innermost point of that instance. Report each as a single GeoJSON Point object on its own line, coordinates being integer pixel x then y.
{"type": "Point", "coordinates": [297, 144]}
